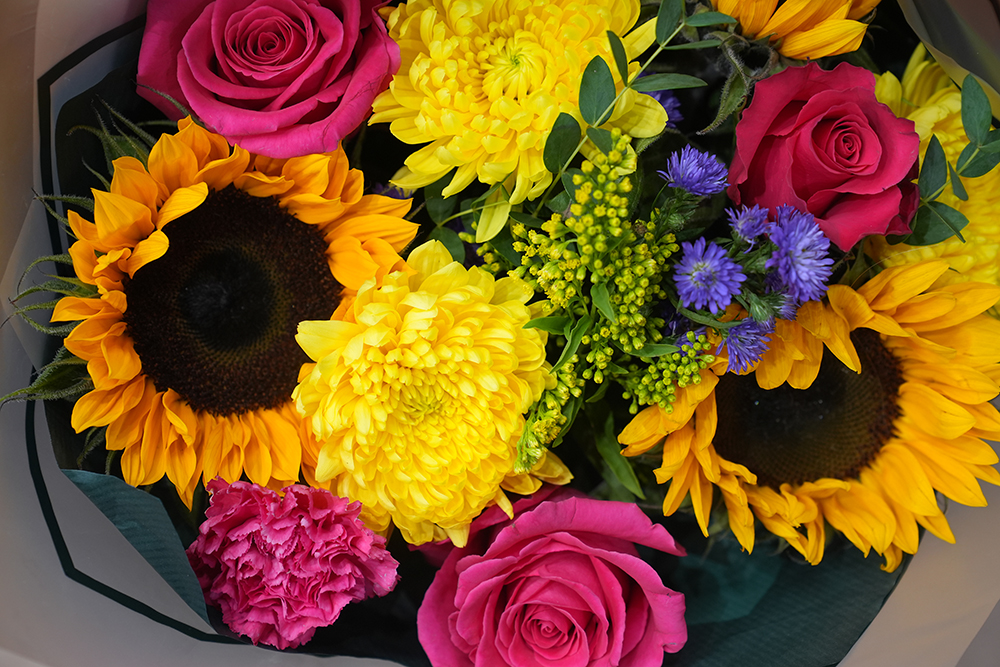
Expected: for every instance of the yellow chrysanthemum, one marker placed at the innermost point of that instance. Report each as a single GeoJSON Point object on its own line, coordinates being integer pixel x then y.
{"type": "Point", "coordinates": [485, 81]}
{"type": "Point", "coordinates": [204, 261]}
{"type": "Point", "coordinates": [417, 397]}
{"type": "Point", "coordinates": [929, 98]}
{"type": "Point", "coordinates": [861, 439]}
{"type": "Point", "coordinates": [802, 29]}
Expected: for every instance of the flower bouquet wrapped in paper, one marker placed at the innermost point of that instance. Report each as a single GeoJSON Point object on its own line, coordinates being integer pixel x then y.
{"type": "Point", "coordinates": [522, 333]}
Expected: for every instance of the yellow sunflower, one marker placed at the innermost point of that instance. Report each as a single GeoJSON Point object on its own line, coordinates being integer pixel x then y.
{"type": "Point", "coordinates": [417, 397]}
{"type": "Point", "coordinates": [860, 439]}
{"type": "Point", "coordinates": [205, 260]}
{"type": "Point", "coordinates": [484, 83]}
{"type": "Point", "coordinates": [929, 98]}
{"type": "Point", "coordinates": [802, 29]}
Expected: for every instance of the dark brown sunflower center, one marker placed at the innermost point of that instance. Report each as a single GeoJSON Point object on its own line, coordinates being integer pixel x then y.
{"type": "Point", "coordinates": [215, 317]}
{"type": "Point", "coordinates": [832, 429]}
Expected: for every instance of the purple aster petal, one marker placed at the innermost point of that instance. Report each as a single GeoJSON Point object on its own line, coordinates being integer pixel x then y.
{"type": "Point", "coordinates": [747, 342]}
{"type": "Point", "coordinates": [747, 222]}
{"type": "Point", "coordinates": [697, 172]}
{"type": "Point", "coordinates": [706, 277]}
{"type": "Point", "coordinates": [801, 262]}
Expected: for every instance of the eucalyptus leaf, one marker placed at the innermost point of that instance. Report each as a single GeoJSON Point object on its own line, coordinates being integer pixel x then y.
{"type": "Point", "coordinates": [597, 92]}
{"type": "Point", "coordinates": [992, 144]}
{"type": "Point", "coordinates": [668, 18]}
{"type": "Point", "coordinates": [973, 162]}
{"type": "Point", "coordinates": [709, 18]}
{"type": "Point", "coordinates": [562, 141]}
{"type": "Point", "coordinates": [957, 188]}
{"type": "Point", "coordinates": [618, 51]}
{"type": "Point", "coordinates": [936, 222]}
{"type": "Point", "coordinates": [934, 170]}
{"type": "Point", "coordinates": [503, 243]}
{"type": "Point", "coordinates": [451, 241]}
{"type": "Point", "coordinates": [666, 82]}
{"type": "Point", "coordinates": [601, 138]}
{"type": "Point", "coordinates": [976, 113]}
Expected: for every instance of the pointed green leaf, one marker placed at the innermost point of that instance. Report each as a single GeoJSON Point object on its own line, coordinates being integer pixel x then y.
{"type": "Point", "coordinates": [599, 294]}
{"type": "Point", "coordinates": [734, 96]}
{"type": "Point", "coordinates": [503, 243]}
{"type": "Point", "coordinates": [527, 220]}
{"type": "Point", "coordinates": [597, 92]}
{"type": "Point", "coordinates": [576, 334]}
{"type": "Point", "coordinates": [666, 82]}
{"type": "Point", "coordinates": [974, 162]}
{"type": "Point", "coordinates": [709, 18]}
{"type": "Point", "coordinates": [934, 170]}
{"type": "Point", "coordinates": [611, 452]}
{"type": "Point", "coordinates": [601, 139]}
{"type": "Point", "coordinates": [936, 222]}
{"type": "Point", "coordinates": [451, 241]}
{"type": "Point", "coordinates": [687, 46]}
{"type": "Point", "coordinates": [655, 350]}
{"type": "Point", "coordinates": [668, 18]}
{"type": "Point", "coordinates": [553, 325]}
{"type": "Point", "coordinates": [618, 51]}
{"type": "Point", "coordinates": [992, 144]}
{"type": "Point", "coordinates": [562, 141]}
{"type": "Point", "coordinates": [957, 188]}
{"type": "Point", "coordinates": [976, 113]}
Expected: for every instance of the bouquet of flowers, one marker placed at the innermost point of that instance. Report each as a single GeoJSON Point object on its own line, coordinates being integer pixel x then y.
{"type": "Point", "coordinates": [444, 331]}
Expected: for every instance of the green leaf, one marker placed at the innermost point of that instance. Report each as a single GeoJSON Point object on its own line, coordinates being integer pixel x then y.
{"type": "Point", "coordinates": [601, 139]}
{"type": "Point", "coordinates": [562, 142]}
{"type": "Point", "coordinates": [560, 202]}
{"type": "Point", "coordinates": [599, 294]}
{"type": "Point", "coordinates": [141, 519]}
{"type": "Point", "coordinates": [668, 18]}
{"type": "Point", "coordinates": [553, 325]}
{"type": "Point", "coordinates": [503, 243]}
{"type": "Point", "coordinates": [974, 162]}
{"type": "Point", "coordinates": [976, 113]}
{"type": "Point", "coordinates": [494, 217]}
{"type": "Point", "coordinates": [611, 452]}
{"type": "Point", "coordinates": [934, 170]}
{"type": "Point", "coordinates": [602, 389]}
{"type": "Point", "coordinates": [702, 44]}
{"type": "Point", "coordinates": [936, 222]}
{"type": "Point", "coordinates": [956, 184]}
{"type": "Point", "coordinates": [666, 82]}
{"type": "Point", "coordinates": [618, 51]}
{"type": "Point", "coordinates": [709, 18]}
{"type": "Point", "coordinates": [527, 220]}
{"type": "Point", "coordinates": [451, 241]}
{"type": "Point", "coordinates": [992, 144]}
{"type": "Point", "coordinates": [581, 329]}
{"type": "Point", "coordinates": [734, 96]}
{"type": "Point", "coordinates": [597, 92]}
{"type": "Point", "coordinates": [655, 350]}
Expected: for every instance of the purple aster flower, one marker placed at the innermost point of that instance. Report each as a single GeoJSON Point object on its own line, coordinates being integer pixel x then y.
{"type": "Point", "coordinates": [389, 190]}
{"type": "Point", "coordinates": [802, 260]}
{"type": "Point", "coordinates": [748, 223]}
{"type": "Point", "coordinates": [705, 276]}
{"type": "Point", "coordinates": [697, 172]}
{"type": "Point", "coordinates": [747, 342]}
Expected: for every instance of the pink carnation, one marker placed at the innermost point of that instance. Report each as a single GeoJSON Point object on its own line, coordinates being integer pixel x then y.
{"type": "Point", "coordinates": [280, 567]}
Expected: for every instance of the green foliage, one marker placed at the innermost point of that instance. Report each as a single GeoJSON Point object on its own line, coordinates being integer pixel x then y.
{"type": "Point", "coordinates": [655, 82]}
{"type": "Point", "coordinates": [934, 171]}
{"type": "Point", "coordinates": [610, 451]}
{"type": "Point", "coordinates": [561, 143]}
{"type": "Point", "coordinates": [451, 241]}
{"type": "Point", "coordinates": [704, 19]}
{"type": "Point", "coordinates": [936, 222]}
{"type": "Point", "coordinates": [668, 20]}
{"type": "Point", "coordinates": [976, 113]}
{"type": "Point", "coordinates": [621, 58]}
{"type": "Point", "coordinates": [597, 92]}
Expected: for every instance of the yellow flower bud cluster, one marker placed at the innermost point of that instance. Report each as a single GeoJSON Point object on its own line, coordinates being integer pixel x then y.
{"type": "Point", "coordinates": [656, 383]}
{"type": "Point", "coordinates": [547, 418]}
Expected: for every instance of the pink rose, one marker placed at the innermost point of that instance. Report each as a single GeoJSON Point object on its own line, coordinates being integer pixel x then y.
{"type": "Point", "coordinates": [280, 78]}
{"type": "Point", "coordinates": [561, 585]}
{"type": "Point", "coordinates": [819, 141]}
{"type": "Point", "coordinates": [280, 567]}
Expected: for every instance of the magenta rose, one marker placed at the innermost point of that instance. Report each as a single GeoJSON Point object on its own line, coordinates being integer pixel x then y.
{"type": "Point", "coordinates": [561, 585]}
{"type": "Point", "coordinates": [820, 141]}
{"type": "Point", "coordinates": [281, 566]}
{"type": "Point", "coordinates": [281, 78]}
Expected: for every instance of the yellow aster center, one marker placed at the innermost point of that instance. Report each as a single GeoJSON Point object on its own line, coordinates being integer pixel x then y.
{"type": "Point", "coordinates": [419, 401]}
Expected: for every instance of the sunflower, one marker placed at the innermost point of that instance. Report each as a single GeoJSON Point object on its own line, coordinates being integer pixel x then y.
{"type": "Point", "coordinates": [485, 82]}
{"type": "Point", "coordinates": [802, 29]}
{"type": "Point", "coordinates": [417, 397]}
{"type": "Point", "coordinates": [204, 262]}
{"type": "Point", "coordinates": [860, 439]}
{"type": "Point", "coordinates": [929, 98]}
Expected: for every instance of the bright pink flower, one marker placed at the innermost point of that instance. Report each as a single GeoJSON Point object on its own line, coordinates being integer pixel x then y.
{"type": "Point", "coordinates": [280, 567]}
{"type": "Point", "coordinates": [280, 78]}
{"type": "Point", "coordinates": [561, 585]}
{"type": "Point", "coordinates": [820, 141]}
